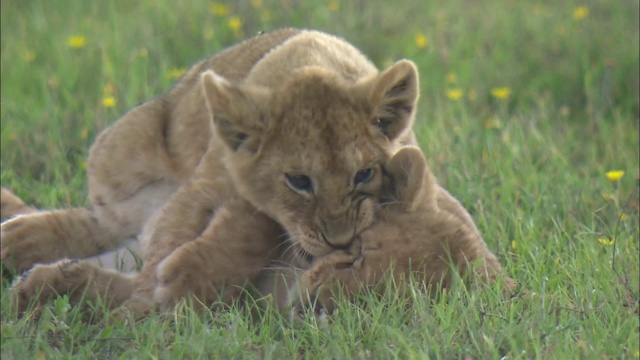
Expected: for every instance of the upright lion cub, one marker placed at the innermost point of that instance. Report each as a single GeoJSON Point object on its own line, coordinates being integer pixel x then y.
{"type": "Point", "coordinates": [284, 135]}
{"type": "Point", "coordinates": [415, 232]}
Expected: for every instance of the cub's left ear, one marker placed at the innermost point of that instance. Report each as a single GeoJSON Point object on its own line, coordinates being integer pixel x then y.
{"type": "Point", "coordinates": [394, 96]}
{"type": "Point", "coordinates": [236, 111]}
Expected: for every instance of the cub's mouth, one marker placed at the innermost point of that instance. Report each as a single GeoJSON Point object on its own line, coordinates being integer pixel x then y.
{"type": "Point", "coordinates": [306, 258]}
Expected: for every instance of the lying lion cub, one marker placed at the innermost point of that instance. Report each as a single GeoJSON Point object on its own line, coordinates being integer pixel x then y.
{"type": "Point", "coordinates": [415, 232]}
{"type": "Point", "coordinates": [282, 135]}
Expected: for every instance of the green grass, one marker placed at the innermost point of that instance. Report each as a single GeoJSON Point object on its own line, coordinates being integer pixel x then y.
{"type": "Point", "coordinates": [530, 168]}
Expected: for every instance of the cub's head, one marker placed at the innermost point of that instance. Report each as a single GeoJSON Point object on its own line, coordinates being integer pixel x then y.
{"type": "Point", "coordinates": [309, 152]}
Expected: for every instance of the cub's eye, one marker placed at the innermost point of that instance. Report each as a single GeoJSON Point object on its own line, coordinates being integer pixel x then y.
{"type": "Point", "coordinates": [363, 176]}
{"type": "Point", "coordinates": [299, 183]}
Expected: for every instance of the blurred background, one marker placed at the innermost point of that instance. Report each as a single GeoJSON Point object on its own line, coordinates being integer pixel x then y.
{"type": "Point", "coordinates": [556, 70]}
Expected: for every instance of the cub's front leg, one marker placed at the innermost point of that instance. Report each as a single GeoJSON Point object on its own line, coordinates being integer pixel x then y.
{"type": "Point", "coordinates": [237, 244]}
{"type": "Point", "coordinates": [183, 219]}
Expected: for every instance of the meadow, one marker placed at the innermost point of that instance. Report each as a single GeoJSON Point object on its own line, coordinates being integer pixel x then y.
{"type": "Point", "coordinates": [529, 115]}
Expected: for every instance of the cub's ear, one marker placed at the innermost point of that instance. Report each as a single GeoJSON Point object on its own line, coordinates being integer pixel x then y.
{"type": "Point", "coordinates": [237, 111]}
{"type": "Point", "coordinates": [409, 179]}
{"type": "Point", "coordinates": [394, 96]}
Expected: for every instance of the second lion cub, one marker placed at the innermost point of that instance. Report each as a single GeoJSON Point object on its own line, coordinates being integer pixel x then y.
{"type": "Point", "coordinates": [418, 229]}
{"type": "Point", "coordinates": [415, 232]}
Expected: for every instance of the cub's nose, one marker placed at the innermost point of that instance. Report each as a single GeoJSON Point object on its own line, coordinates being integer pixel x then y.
{"type": "Point", "coordinates": [338, 240]}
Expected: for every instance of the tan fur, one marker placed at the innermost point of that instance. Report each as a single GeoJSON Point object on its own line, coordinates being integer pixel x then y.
{"type": "Point", "coordinates": [413, 234]}
{"type": "Point", "coordinates": [11, 205]}
{"type": "Point", "coordinates": [200, 174]}
{"type": "Point", "coordinates": [78, 278]}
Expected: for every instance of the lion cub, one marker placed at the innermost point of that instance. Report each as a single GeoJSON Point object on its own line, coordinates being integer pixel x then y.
{"type": "Point", "coordinates": [276, 142]}
{"type": "Point", "coordinates": [415, 232]}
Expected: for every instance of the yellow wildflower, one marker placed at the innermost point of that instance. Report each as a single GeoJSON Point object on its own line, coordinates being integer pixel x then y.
{"type": "Point", "coordinates": [220, 9]}
{"type": "Point", "coordinates": [76, 42]}
{"type": "Point", "coordinates": [334, 5]}
{"type": "Point", "coordinates": [454, 94]}
{"type": "Point", "coordinates": [28, 55]}
{"type": "Point", "coordinates": [257, 4]}
{"type": "Point", "coordinates": [501, 93]}
{"type": "Point", "coordinates": [492, 124]}
{"type": "Point", "coordinates": [514, 244]}
{"type": "Point", "coordinates": [421, 40]}
{"type": "Point", "coordinates": [623, 217]}
{"type": "Point", "coordinates": [175, 73]}
{"type": "Point", "coordinates": [234, 23]}
{"type": "Point", "coordinates": [615, 175]}
{"type": "Point", "coordinates": [108, 101]}
{"type": "Point", "coordinates": [606, 241]}
{"type": "Point", "coordinates": [452, 78]}
{"type": "Point", "coordinates": [581, 12]}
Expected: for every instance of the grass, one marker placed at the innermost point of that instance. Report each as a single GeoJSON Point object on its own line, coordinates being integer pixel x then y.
{"type": "Point", "coordinates": [528, 161]}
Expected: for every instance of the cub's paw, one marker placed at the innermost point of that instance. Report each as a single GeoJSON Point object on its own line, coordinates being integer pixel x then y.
{"type": "Point", "coordinates": [305, 295]}
{"type": "Point", "coordinates": [26, 240]}
{"type": "Point", "coordinates": [47, 281]}
{"type": "Point", "coordinates": [178, 276]}
{"type": "Point", "coordinates": [135, 308]}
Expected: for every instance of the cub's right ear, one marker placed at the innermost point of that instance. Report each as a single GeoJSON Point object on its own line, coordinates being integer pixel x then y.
{"type": "Point", "coordinates": [411, 182]}
{"type": "Point", "coordinates": [236, 111]}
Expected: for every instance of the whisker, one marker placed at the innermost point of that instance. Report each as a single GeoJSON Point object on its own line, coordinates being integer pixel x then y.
{"type": "Point", "coordinates": [291, 247]}
{"type": "Point", "coordinates": [286, 242]}
{"type": "Point", "coordinates": [286, 267]}
{"type": "Point", "coordinates": [387, 203]}
{"type": "Point", "coordinates": [290, 250]}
